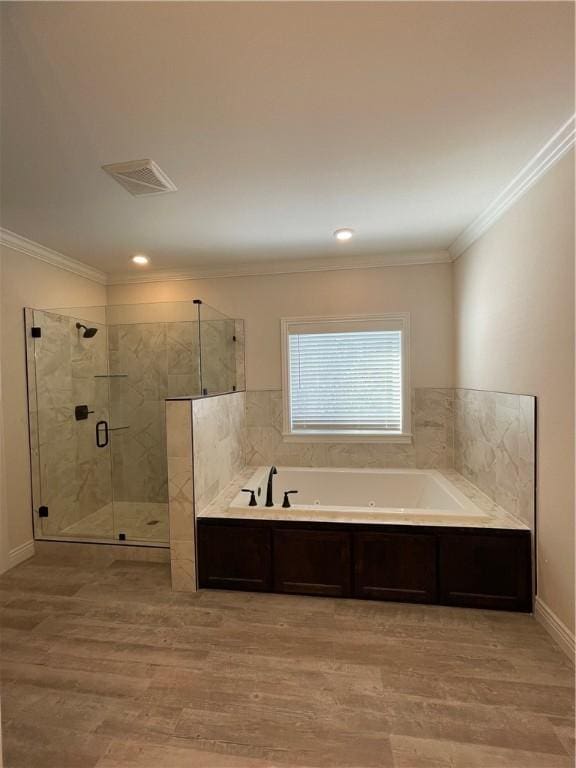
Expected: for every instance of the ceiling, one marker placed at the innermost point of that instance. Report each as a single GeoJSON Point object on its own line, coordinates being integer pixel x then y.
{"type": "Point", "coordinates": [278, 122]}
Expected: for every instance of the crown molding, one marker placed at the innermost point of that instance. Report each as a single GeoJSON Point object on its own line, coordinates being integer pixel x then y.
{"type": "Point", "coordinates": [41, 252]}
{"type": "Point", "coordinates": [562, 141]}
{"type": "Point", "coordinates": [284, 267]}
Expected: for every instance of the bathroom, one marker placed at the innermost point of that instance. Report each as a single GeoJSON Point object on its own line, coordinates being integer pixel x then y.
{"type": "Point", "coordinates": [287, 407]}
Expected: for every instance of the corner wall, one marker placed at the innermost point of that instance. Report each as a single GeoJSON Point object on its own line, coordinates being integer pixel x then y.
{"type": "Point", "coordinates": [27, 282]}
{"type": "Point", "coordinates": [514, 332]}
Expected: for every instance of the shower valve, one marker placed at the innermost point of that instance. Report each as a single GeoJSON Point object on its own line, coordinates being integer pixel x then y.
{"type": "Point", "coordinates": [81, 412]}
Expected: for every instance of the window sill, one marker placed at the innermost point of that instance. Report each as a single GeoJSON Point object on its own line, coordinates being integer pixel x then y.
{"type": "Point", "coordinates": [346, 437]}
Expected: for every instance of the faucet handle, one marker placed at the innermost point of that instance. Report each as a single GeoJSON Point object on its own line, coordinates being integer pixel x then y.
{"type": "Point", "coordinates": [252, 502]}
{"type": "Point", "coordinates": [286, 502]}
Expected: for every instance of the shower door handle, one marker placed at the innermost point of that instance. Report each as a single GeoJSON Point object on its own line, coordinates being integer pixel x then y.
{"type": "Point", "coordinates": [102, 434]}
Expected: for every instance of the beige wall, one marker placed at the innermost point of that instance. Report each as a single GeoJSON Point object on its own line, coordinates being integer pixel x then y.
{"type": "Point", "coordinates": [514, 332]}
{"type": "Point", "coordinates": [27, 282]}
{"type": "Point", "coordinates": [425, 291]}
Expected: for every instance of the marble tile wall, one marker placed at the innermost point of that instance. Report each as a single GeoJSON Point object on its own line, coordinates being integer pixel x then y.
{"type": "Point", "coordinates": [218, 429]}
{"type": "Point", "coordinates": [181, 495]}
{"type": "Point", "coordinates": [161, 360]}
{"type": "Point", "coordinates": [205, 448]}
{"type": "Point", "coordinates": [494, 439]}
{"type": "Point", "coordinates": [139, 358]}
{"type": "Point", "coordinates": [432, 446]}
{"type": "Point", "coordinates": [183, 359]}
{"type": "Point", "coordinates": [488, 437]}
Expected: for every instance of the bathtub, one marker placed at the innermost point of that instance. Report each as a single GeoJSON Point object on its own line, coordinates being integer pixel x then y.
{"type": "Point", "coordinates": [359, 495]}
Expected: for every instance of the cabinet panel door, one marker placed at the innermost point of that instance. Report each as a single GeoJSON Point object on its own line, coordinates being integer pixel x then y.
{"type": "Point", "coordinates": [312, 562]}
{"type": "Point", "coordinates": [235, 557]}
{"type": "Point", "coordinates": [485, 571]}
{"type": "Point", "coordinates": [395, 567]}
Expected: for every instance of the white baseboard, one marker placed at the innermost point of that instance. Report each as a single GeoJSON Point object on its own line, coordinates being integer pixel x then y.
{"type": "Point", "coordinates": [21, 553]}
{"type": "Point", "coordinates": [555, 628]}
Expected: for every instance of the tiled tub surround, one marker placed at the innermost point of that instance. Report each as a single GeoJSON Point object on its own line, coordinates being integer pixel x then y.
{"type": "Point", "coordinates": [488, 437]}
{"type": "Point", "coordinates": [423, 542]}
{"type": "Point", "coordinates": [205, 446]}
{"type": "Point", "coordinates": [431, 448]}
{"type": "Point", "coordinates": [215, 435]}
{"type": "Point", "coordinates": [494, 447]}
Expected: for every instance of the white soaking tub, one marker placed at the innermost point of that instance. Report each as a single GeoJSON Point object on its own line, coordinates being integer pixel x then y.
{"type": "Point", "coordinates": [359, 495]}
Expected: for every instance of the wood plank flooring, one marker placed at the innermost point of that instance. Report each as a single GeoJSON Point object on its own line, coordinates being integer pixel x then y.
{"type": "Point", "coordinates": [103, 666]}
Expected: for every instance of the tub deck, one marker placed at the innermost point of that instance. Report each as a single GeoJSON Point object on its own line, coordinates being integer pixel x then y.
{"type": "Point", "coordinates": [475, 510]}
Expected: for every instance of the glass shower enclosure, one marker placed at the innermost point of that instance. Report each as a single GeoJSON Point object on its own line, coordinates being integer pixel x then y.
{"type": "Point", "coordinates": [97, 381]}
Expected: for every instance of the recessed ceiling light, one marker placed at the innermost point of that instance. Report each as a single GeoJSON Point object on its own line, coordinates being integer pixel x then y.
{"type": "Point", "coordinates": [344, 234]}
{"type": "Point", "coordinates": [140, 259]}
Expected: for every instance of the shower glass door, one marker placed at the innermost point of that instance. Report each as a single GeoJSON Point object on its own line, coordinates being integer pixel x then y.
{"type": "Point", "coordinates": [70, 419]}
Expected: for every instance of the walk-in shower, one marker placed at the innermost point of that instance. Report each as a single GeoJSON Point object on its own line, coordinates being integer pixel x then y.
{"type": "Point", "coordinates": [97, 381]}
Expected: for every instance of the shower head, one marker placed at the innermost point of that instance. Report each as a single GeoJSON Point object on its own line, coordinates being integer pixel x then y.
{"type": "Point", "coordinates": [88, 332]}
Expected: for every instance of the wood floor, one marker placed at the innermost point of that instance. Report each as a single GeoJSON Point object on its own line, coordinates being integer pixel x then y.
{"type": "Point", "coordinates": [103, 666]}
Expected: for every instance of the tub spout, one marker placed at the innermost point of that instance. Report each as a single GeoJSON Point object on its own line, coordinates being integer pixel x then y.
{"type": "Point", "coordinates": [269, 487]}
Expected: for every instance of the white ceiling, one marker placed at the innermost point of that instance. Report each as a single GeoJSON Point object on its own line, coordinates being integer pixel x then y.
{"type": "Point", "coordinates": [278, 122]}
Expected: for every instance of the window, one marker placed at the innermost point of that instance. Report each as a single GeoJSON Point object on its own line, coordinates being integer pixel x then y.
{"type": "Point", "coordinates": [346, 378]}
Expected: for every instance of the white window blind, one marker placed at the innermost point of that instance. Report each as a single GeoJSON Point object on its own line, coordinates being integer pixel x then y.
{"type": "Point", "coordinates": [345, 377]}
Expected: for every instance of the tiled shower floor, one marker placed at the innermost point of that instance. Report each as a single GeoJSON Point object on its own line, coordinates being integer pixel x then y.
{"type": "Point", "coordinates": [140, 521]}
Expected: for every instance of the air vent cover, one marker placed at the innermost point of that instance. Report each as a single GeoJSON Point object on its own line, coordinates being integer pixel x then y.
{"type": "Point", "coordinates": [141, 177]}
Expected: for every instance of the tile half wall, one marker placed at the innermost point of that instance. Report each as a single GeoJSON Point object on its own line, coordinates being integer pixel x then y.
{"type": "Point", "coordinates": [205, 448]}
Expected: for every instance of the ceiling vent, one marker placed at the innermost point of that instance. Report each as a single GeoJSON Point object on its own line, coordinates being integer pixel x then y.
{"type": "Point", "coordinates": [141, 177]}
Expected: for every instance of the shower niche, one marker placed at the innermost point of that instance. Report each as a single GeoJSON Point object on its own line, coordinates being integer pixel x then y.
{"type": "Point", "coordinates": [97, 381]}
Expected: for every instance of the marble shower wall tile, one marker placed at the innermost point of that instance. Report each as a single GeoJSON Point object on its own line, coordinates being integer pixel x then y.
{"type": "Point", "coordinates": [432, 446]}
{"type": "Point", "coordinates": [183, 359]}
{"type": "Point", "coordinates": [494, 439]}
{"type": "Point", "coordinates": [181, 495]}
{"type": "Point", "coordinates": [161, 360]}
{"type": "Point", "coordinates": [218, 429]}
{"type": "Point", "coordinates": [141, 352]}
